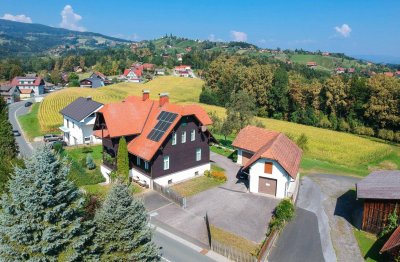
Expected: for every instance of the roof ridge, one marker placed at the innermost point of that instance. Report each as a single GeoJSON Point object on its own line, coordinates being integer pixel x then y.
{"type": "Point", "coordinates": [148, 115]}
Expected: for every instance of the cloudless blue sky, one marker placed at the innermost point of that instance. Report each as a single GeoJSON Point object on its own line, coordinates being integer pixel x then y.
{"type": "Point", "coordinates": [374, 25]}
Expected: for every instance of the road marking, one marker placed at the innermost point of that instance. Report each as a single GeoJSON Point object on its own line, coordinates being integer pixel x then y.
{"type": "Point", "coordinates": [165, 259]}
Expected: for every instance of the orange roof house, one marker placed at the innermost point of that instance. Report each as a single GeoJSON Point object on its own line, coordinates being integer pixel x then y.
{"type": "Point", "coordinates": [392, 245]}
{"type": "Point", "coordinates": [311, 64]}
{"type": "Point", "coordinates": [269, 158]}
{"type": "Point", "coordinates": [153, 129]}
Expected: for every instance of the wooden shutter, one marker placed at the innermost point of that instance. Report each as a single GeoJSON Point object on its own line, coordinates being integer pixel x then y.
{"type": "Point", "coordinates": [268, 168]}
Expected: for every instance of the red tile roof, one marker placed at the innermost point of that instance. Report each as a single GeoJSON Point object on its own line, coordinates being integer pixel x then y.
{"type": "Point", "coordinates": [26, 91]}
{"type": "Point", "coordinates": [269, 144]}
{"type": "Point", "coordinates": [101, 75]}
{"type": "Point", "coordinates": [137, 117]}
{"type": "Point", "coordinates": [37, 81]}
{"type": "Point", "coordinates": [393, 241]}
{"type": "Point", "coordinates": [148, 66]}
{"type": "Point", "coordinates": [311, 63]}
{"type": "Point", "coordinates": [388, 74]}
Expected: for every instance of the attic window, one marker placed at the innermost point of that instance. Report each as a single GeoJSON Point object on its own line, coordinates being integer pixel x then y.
{"type": "Point", "coordinates": [268, 167]}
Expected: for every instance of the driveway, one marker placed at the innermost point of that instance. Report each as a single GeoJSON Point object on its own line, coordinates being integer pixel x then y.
{"type": "Point", "coordinates": [229, 207]}
{"type": "Point", "coordinates": [322, 229]}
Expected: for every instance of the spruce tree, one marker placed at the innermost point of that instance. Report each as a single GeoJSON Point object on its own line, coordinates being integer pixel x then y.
{"type": "Point", "coordinates": [41, 215]}
{"type": "Point", "coordinates": [122, 160]}
{"type": "Point", "coordinates": [122, 232]}
{"type": "Point", "coordinates": [8, 147]}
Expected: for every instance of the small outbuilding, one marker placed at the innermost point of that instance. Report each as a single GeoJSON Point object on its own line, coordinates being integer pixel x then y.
{"type": "Point", "coordinates": [380, 192]}
{"type": "Point", "coordinates": [270, 159]}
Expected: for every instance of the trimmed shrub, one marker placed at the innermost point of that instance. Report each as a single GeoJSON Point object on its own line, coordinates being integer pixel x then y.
{"type": "Point", "coordinates": [89, 162]}
{"type": "Point", "coordinates": [284, 212]}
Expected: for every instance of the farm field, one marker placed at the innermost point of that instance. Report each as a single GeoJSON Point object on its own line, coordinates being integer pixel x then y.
{"type": "Point", "coordinates": [324, 62]}
{"type": "Point", "coordinates": [336, 150]}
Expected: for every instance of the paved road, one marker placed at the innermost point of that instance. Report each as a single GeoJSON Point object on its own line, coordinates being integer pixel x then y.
{"type": "Point", "coordinates": [15, 110]}
{"type": "Point", "coordinates": [174, 251]}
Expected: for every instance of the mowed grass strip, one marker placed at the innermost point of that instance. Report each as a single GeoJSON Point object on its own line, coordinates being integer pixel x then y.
{"type": "Point", "coordinates": [370, 246]}
{"type": "Point", "coordinates": [230, 239]}
{"type": "Point", "coordinates": [334, 147]}
{"type": "Point", "coordinates": [30, 124]}
{"type": "Point", "coordinates": [196, 185]}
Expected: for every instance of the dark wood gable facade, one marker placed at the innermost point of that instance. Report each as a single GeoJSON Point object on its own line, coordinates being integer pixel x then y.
{"type": "Point", "coordinates": [181, 149]}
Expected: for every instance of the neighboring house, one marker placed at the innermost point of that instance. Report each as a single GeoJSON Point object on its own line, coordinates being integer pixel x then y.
{"type": "Point", "coordinates": [179, 57]}
{"type": "Point", "coordinates": [340, 70]}
{"type": "Point", "coordinates": [270, 159]}
{"type": "Point", "coordinates": [148, 67]}
{"type": "Point", "coordinates": [78, 69]}
{"type": "Point", "coordinates": [311, 64]}
{"type": "Point", "coordinates": [33, 83]}
{"type": "Point", "coordinates": [10, 94]}
{"type": "Point", "coordinates": [392, 245]}
{"type": "Point", "coordinates": [397, 73]}
{"type": "Point", "coordinates": [167, 143]}
{"type": "Point", "coordinates": [79, 118]}
{"type": "Point", "coordinates": [91, 82]}
{"type": "Point", "coordinates": [132, 75]}
{"type": "Point", "coordinates": [380, 192]}
{"type": "Point", "coordinates": [183, 71]}
{"type": "Point", "coordinates": [26, 94]}
{"type": "Point", "coordinates": [102, 77]}
{"type": "Point", "coordinates": [351, 70]}
{"type": "Point", "coordinates": [389, 74]}
{"type": "Point", "coordinates": [326, 54]}
{"type": "Point", "coordinates": [159, 71]}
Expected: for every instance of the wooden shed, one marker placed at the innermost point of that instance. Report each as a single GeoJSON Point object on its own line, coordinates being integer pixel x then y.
{"type": "Point", "coordinates": [380, 192]}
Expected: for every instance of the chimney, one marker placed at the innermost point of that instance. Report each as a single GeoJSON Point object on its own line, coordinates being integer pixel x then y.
{"type": "Point", "coordinates": [163, 99]}
{"type": "Point", "coordinates": [89, 98]}
{"type": "Point", "coordinates": [145, 94]}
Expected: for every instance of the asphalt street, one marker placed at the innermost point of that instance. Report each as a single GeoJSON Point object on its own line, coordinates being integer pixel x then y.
{"type": "Point", "coordinates": [15, 110]}
{"type": "Point", "coordinates": [174, 251]}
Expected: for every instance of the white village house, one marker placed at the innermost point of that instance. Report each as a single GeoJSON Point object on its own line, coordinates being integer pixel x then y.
{"type": "Point", "coordinates": [79, 118]}
{"type": "Point", "coordinates": [271, 161]}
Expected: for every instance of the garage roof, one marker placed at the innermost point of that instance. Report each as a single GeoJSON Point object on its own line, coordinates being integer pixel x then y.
{"type": "Point", "coordinates": [382, 184]}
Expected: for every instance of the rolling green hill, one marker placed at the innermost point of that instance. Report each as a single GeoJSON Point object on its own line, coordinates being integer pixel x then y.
{"type": "Point", "coordinates": [20, 39]}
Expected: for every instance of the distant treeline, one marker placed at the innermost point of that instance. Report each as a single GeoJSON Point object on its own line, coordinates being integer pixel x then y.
{"type": "Point", "coordinates": [366, 106]}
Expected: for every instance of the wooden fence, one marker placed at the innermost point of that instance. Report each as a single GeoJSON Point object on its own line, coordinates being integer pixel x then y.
{"type": "Point", "coordinates": [170, 194]}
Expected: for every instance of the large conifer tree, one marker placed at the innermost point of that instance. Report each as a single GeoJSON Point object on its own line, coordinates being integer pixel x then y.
{"type": "Point", "coordinates": [8, 147]}
{"type": "Point", "coordinates": [41, 215]}
{"type": "Point", "coordinates": [122, 228]}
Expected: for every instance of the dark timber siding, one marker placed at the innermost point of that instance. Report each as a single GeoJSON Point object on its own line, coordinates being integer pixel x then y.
{"type": "Point", "coordinates": [182, 156]}
{"type": "Point", "coordinates": [376, 212]}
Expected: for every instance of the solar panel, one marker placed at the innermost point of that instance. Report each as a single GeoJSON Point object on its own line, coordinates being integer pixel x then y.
{"type": "Point", "coordinates": [165, 119]}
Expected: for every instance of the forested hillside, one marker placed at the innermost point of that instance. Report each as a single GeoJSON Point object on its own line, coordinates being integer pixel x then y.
{"type": "Point", "coordinates": [20, 39]}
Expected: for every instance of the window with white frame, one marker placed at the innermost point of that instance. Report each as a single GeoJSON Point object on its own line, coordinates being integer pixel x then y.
{"type": "Point", "coordinates": [138, 161]}
{"type": "Point", "coordinates": [193, 135]}
{"type": "Point", "coordinates": [166, 162]}
{"type": "Point", "coordinates": [198, 154]}
{"type": "Point", "coordinates": [174, 139]}
{"type": "Point", "coordinates": [183, 137]}
{"type": "Point", "coordinates": [146, 165]}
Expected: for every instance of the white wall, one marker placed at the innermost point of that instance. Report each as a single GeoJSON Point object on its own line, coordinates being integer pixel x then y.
{"type": "Point", "coordinates": [182, 175]}
{"type": "Point", "coordinates": [278, 173]}
{"type": "Point", "coordinates": [239, 156]}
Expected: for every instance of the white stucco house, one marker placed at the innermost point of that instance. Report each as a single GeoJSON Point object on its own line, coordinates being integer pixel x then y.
{"type": "Point", "coordinates": [79, 118]}
{"type": "Point", "coordinates": [270, 159]}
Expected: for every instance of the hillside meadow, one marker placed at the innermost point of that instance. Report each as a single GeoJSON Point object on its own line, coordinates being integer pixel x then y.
{"type": "Point", "coordinates": [351, 153]}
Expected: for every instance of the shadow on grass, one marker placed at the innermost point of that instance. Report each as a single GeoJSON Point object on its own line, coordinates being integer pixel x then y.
{"type": "Point", "coordinates": [348, 207]}
{"type": "Point", "coordinates": [373, 252]}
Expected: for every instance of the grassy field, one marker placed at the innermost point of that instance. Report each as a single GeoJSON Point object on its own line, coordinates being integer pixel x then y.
{"type": "Point", "coordinates": [29, 122]}
{"type": "Point", "coordinates": [324, 62]}
{"type": "Point", "coordinates": [369, 246]}
{"type": "Point", "coordinates": [348, 153]}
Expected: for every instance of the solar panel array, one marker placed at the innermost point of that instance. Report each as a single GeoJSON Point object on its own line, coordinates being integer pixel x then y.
{"type": "Point", "coordinates": [165, 120]}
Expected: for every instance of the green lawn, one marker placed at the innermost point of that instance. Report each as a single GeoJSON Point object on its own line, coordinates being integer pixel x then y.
{"type": "Point", "coordinates": [79, 173]}
{"type": "Point", "coordinates": [198, 184]}
{"type": "Point", "coordinates": [30, 124]}
{"type": "Point", "coordinates": [369, 246]}
{"type": "Point", "coordinates": [101, 190]}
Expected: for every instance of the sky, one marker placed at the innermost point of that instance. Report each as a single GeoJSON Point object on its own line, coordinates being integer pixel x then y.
{"type": "Point", "coordinates": [356, 27]}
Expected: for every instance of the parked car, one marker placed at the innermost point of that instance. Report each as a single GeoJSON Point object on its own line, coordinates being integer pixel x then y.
{"type": "Point", "coordinates": [52, 138]}
{"type": "Point", "coordinates": [16, 133]}
{"type": "Point", "coordinates": [28, 104]}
